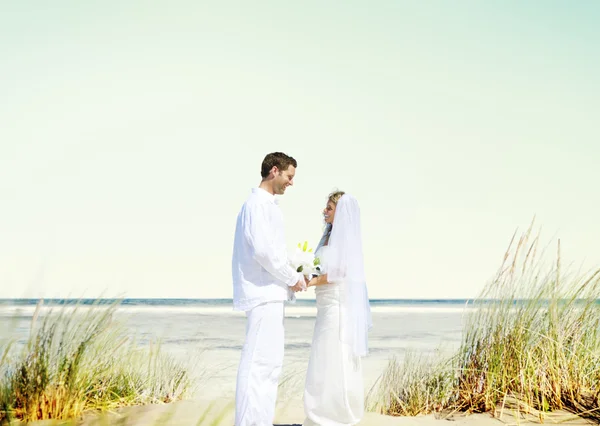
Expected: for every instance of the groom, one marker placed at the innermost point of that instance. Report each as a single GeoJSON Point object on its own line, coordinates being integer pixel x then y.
{"type": "Point", "coordinates": [262, 280]}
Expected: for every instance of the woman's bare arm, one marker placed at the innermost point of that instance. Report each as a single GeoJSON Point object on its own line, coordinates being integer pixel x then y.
{"type": "Point", "coordinates": [320, 280]}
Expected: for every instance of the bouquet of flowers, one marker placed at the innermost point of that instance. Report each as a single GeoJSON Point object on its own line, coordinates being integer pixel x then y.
{"type": "Point", "coordinates": [304, 260]}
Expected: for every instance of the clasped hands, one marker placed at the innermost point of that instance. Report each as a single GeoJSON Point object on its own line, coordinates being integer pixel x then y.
{"type": "Point", "coordinates": [303, 284]}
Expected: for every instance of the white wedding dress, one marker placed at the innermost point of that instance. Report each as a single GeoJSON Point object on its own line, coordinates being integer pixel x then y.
{"type": "Point", "coordinates": [334, 390]}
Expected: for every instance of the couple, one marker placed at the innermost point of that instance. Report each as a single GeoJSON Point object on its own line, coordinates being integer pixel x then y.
{"type": "Point", "coordinates": [263, 280]}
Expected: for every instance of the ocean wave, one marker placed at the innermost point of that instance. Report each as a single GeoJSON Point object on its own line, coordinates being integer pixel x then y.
{"type": "Point", "coordinates": [290, 311]}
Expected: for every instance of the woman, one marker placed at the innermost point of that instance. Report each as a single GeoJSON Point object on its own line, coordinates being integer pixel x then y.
{"type": "Point", "coordinates": [334, 390]}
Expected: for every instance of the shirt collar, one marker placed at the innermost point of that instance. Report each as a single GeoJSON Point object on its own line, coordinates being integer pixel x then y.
{"type": "Point", "coordinates": [264, 194]}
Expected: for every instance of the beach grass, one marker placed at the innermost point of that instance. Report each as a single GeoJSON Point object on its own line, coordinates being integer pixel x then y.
{"type": "Point", "coordinates": [79, 359]}
{"type": "Point", "coordinates": [531, 339]}
{"type": "Point", "coordinates": [419, 384]}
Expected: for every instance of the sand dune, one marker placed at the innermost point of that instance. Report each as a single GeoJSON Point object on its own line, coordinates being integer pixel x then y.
{"type": "Point", "coordinates": [290, 413]}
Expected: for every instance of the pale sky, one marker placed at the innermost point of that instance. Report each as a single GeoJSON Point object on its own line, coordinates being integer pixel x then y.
{"type": "Point", "coordinates": [133, 131]}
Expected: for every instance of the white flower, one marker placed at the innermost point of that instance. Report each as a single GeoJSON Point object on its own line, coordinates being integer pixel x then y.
{"type": "Point", "coordinates": [303, 260]}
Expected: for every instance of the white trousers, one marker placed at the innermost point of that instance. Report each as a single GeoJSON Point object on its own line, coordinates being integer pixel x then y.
{"type": "Point", "coordinates": [260, 366]}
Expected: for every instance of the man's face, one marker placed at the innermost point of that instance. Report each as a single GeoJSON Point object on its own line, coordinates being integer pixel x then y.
{"type": "Point", "coordinates": [283, 179]}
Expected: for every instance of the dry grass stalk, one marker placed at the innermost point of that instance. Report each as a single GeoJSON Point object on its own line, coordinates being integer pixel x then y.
{"type": "Point", "coordinates": [531, 336]}
{"type": "Point", "coordinates": [78, 359]}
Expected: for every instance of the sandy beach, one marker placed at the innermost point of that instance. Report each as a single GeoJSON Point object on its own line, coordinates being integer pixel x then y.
{"type": "Point", "coordinates": [290, 413]}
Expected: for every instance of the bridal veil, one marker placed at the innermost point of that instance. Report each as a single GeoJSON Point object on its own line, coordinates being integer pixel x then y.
{"type": "Point", "coordinates": [345, 265]}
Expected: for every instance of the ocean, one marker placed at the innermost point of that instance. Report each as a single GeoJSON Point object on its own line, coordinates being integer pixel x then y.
{"type": "Point", "coordinates": [208, 334]}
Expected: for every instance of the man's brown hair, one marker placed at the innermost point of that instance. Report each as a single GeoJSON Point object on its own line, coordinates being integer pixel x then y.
{"type": "Point", "coordinates": [276, 159]}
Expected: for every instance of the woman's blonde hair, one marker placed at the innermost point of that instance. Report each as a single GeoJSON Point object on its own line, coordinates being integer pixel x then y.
{"type": "Point", "coordinates": [335, 196]}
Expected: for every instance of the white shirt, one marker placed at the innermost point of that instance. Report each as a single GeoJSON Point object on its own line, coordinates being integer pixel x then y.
{"type": "Point", "coordinates": [260, 269]}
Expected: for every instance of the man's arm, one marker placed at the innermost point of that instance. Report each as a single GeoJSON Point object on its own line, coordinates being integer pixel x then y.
{"type": "Point", "coordinates": [259, 233]}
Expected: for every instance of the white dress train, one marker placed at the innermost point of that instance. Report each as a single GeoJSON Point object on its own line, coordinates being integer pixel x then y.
{"type": "Point", "coordinates": [334, 389]}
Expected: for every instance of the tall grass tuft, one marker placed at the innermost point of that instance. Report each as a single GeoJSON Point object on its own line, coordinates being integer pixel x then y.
{"type": "Point", "coordinates": [530, 338]}
{"type": "Point", "coordinates": [415, 386]}
{"type": "Point", "coordinates": [79, 359]}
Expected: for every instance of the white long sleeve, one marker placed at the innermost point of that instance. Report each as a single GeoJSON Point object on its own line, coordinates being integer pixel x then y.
{"type": "Point", "coordinates": [261, 235]}
{"type": "Point", "coordinates": [260, 267]}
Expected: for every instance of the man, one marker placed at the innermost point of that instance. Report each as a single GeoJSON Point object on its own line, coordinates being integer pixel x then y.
{"type": "Point", "coordinates": [262, 281]}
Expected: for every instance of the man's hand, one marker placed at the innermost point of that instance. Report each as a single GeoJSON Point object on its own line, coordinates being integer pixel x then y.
{"type": "Point", "coordinates": [300, 285]}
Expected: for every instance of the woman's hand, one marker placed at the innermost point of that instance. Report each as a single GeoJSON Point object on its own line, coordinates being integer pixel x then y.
{"type": "Point", "coordinates": [312, 282]}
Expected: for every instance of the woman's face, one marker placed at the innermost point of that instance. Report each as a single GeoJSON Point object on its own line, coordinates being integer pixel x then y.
{"type": "Point", "coordinates": [329, 212]}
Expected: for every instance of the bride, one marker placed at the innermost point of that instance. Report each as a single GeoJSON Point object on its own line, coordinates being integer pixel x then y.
{"type": "Point", "coordinates": [334, 390]}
